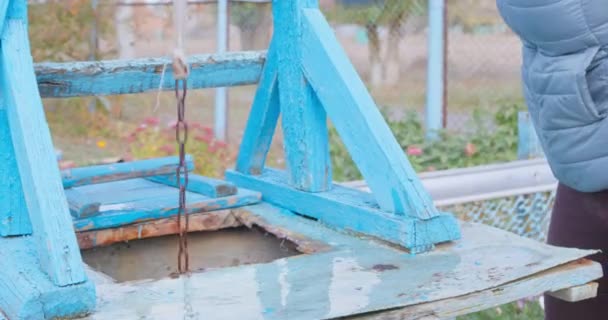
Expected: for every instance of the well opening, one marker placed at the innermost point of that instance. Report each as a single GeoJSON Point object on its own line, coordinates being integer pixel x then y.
{"type": "Point", "coordinates": [156, 258]}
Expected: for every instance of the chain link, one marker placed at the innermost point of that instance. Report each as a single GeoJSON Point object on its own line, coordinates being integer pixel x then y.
{"type": "Point", "coordinates": [181, 136]}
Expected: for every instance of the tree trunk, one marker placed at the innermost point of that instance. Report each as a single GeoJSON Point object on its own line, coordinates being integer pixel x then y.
{"type": "Point", "coordinates": [392, 63]}
{"type": "Point", "coordinates": [125, 33]}
{"type": "Point", "coordinates": [375, 61]}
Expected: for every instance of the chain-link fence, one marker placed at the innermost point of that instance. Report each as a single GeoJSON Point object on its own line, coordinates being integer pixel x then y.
{"type": "Point", "coordinates": [483, 61]}
{"type": "Point", "coordinates": [387, 40]}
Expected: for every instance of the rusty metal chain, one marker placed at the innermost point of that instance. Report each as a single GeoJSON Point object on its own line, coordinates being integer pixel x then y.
{"type": "Point", "coordinates": [181, 135]}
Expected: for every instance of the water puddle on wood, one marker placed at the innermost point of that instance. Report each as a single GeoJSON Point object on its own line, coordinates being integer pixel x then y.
{"type": "Point", "coordinates": [156, 258]}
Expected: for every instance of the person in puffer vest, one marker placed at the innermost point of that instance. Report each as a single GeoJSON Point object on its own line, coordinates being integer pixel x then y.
{"type": "Point", "coordinates": [565, 83]}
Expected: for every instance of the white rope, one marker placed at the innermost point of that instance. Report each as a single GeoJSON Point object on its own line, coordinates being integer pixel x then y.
{"type": "Point", "coordinates": [180, 66]}
{"type": "Point", "coordinates": [160, 88]}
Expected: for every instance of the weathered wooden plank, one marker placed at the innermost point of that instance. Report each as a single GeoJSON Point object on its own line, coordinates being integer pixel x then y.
{"type": "Point", "coordinates": [262, 121]}
{"type": "Point", "coordinates": [48, 209]}
{"type": "Point", "coordinates": [205, 221]}
{"type": "Point", "coordinates": [350, 209]}
{"type": "Point", "coordinates": [564, 276]}
{"type": "Point", "coordinates": [114, 77]}
{"type": "Point", "coordinates": [127, 191]}
{"type": "Point", "coordinates": [26, 292]}
{"type": "Point", "coordinates": [304, 120]}
{"type": "Point", "coordinates": [81, 205]}
{"type": "Point", "coordinates": [14, 218]}
{"type": "Point", "coordinates": [577, 293]}
{"type": "Point", "coordinates": [122, 214]}
{"type": "Point", "coordinates": [355, 276]}
{"type": "Point", "coordinates": [209, 187]}
{"type": "Point", "coordinates": [121, 171]}
{"type": "Point", "coordinates": [360, 124]}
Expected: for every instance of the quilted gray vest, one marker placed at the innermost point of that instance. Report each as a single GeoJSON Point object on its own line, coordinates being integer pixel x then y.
{"type": "Point", "coordinates": [565, 77]}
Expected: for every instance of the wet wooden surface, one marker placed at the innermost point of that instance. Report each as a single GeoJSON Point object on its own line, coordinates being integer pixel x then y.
{"type": "Point", "coordinates": [354, 276]}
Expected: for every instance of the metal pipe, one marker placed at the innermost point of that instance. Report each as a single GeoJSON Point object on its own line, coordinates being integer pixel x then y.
{"type": "Point", "coordinates": [221, 94]}
{"type": "Point", "coordinates": [434, 99]}
{"type": "Point", "coordinates": [481, 183]}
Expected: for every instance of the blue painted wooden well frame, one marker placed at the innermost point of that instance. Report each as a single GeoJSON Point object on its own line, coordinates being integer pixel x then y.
{"type": "Point", "coordinates": [305, 76]}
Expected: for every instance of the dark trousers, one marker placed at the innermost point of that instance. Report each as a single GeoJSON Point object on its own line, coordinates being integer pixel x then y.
{"type": "Point", "coordinates": [580, 220]}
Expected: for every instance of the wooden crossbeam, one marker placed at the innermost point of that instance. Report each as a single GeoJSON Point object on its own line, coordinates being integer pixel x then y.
{"type": "Point", "coordinates": [121, 171]}
{"type": "Point", "coordinates": [112, 77]}
{"type": "Point", "coordinates": [41, 182]}
{"type": "Point", "coordinates": [350, 209]}
{"type": "Point", "coordinates": [121, 214]}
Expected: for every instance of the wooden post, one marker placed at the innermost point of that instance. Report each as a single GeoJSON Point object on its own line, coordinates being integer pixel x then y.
{"type": "Point", "coordinates": [57, 249]}
{"type": "Point", "coordinates": [14, 219]}
{"type": "Point", "coordinates": [303, 118]}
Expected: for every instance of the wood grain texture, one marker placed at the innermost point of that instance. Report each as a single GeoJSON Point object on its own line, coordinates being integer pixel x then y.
{"type": "Point", "coordinates": [304, 120]}
{"type": "Point", "coordinates": [40, 178]}
{"type": "Point", "coordinates": [209, 187]}
{"type": "Point", "coordinates": [533, 285]}
{"type": "Point", "coordinates": [356, 277]}
{"type": "Point", "coordinates": [97, 78]}
{"type": "Point", "coordinates": [360, 124]}
{"type": "Point", "coordinates": [14, 218]}
{"type": "Point", "coordinates": [350, 209]}
{"type": "Point", "coordinates": [121, 171]}
{"type": "Point", "coordinates": [262, 121]}
{"type": "Point", "coordinates": [26, 292]}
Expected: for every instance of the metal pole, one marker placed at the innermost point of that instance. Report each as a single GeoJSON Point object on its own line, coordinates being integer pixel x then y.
{"type": "Point", "coordinates": [446, 44]}
{"type": "Point", "coordinates": [221, 94]}
{"type": "Point", "coordinates": [93, 46]}
{"type": "Point", "coordinates": [434, 99]}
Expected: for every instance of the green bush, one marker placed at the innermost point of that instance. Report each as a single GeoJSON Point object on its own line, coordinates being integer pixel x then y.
{"type": "Point", "coordinates": [485, 144]}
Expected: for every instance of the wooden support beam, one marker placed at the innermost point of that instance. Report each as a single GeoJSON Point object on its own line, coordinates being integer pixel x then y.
{"type": "Point", "coordinates": [262, 121]}
{"type": "Point", "coordinates": [48, 209]}
{"type": "Point", "coordinates": [98, 78]}
{"type": "Point", "coordinates": [121, 171]}
{"type": "Point", "coordinates": [14, 218]}
{"type": "Point", "coordinates": [577, 293]}
{"type": "Point", "coordinates": [360, 124]}
{"type": "Point", "coordinates": [352, 210]}
{"type": "Point", "coordinates": [304, 119]}
{"type": "Point", "coordinates": [209, 187]}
